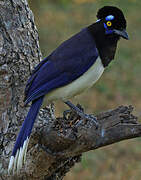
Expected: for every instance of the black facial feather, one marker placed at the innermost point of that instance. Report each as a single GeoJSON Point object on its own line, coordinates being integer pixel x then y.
{"type": "Point", "coordinates": [119, 21]}
{"type": "Point", "coordinates": [107, 44]}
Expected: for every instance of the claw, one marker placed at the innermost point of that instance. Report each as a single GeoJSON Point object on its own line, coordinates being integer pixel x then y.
{"type": "Point", "coordinates": [65, 114]}
{"type": "Point", "coordinates": [94, 119]}
{"type": "Point", "coordinates": [82, 114]}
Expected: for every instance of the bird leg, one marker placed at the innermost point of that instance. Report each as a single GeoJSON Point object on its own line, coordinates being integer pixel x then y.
{"type": "Point", "coordinates": [82, 114]}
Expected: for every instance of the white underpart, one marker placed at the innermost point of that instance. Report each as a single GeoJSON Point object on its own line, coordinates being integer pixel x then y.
{"type": "Point", "coordinates": [84, 82]}
{"type": "Point", "coordinates": [16, 162]}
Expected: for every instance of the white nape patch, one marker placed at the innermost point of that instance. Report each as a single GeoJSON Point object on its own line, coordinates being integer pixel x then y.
{"type": "Point", "coordinates": [84, 82]}
{"type": "Point", "coordinates": [16, 162]}
{"type": "Point", "coordinates": [98, 20]}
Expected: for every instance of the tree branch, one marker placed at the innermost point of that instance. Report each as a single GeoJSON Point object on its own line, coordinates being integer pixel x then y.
{"type": "Point", "coordinates": [58, 144]}
{"type": "Point", "coordinates": [74, 136]}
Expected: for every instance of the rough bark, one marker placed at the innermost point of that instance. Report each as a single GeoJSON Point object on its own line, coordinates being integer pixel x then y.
{"type": "Point", "coordinates": [56, 143]}
{"type": "Point", "coordinates": [19, 52]}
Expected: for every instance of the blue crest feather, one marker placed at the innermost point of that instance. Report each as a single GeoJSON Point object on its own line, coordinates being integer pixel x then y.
{"type": "Point", "coordinates": [109, 18]}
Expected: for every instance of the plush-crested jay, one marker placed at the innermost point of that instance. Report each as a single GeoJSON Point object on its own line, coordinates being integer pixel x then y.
{"type": "Point", "coordinates": [69, 70]}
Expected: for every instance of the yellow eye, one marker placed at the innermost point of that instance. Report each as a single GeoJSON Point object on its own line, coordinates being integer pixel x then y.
{"type": "Point", "coordinates": [109, 23]}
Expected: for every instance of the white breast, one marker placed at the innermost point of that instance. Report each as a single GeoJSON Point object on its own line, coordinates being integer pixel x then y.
{"type": "Point", "coordinates": [79, 85]}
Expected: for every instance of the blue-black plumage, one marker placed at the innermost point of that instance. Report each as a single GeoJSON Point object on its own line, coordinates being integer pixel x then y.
{"type": "Point", "coordinates": [73, 67]}
{"type": "Point", "coordinates": [68, 62]}
{"type": "Point", "coordinates": [28, 124]}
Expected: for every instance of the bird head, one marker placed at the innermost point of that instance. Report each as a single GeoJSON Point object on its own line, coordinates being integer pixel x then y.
{"type": "Point", "coordinates": [113, 21]}
{"type": "Point", "coordinates": [107, 30]}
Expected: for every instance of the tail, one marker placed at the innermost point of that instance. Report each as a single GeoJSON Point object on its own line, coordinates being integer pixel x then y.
{"type": "Point", "coordinates": [19, 152]}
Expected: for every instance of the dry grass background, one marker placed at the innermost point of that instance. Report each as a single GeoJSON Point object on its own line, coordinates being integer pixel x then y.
{"type": "Point", "coordinates": [121, 83]}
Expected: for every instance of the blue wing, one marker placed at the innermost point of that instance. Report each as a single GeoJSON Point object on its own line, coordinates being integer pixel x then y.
{"type": "Point", "coordinates": [68, 62]}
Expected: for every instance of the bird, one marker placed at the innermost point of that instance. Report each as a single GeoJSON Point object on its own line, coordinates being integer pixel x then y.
{"type": "Point", "coordinates": [74, 66]}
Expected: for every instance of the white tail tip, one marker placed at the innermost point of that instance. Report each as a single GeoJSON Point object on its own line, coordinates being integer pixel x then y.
{"type": "Point", "coordinates": [16, 162]}
{"type": "Point", "coordinates": [11, 164]}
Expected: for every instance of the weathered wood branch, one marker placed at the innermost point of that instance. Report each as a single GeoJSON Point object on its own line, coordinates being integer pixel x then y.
{"type": "Point", "coordinates": [57, 144]}
{"type": "Point", "coordinates": [74, 136]}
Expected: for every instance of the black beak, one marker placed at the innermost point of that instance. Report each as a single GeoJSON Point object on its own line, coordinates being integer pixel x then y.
{"type": "Point", "coordinates": [122, 33]}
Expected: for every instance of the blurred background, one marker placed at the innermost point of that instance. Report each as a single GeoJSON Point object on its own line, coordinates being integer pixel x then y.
{"type": "Point", "coordinates": [56, 21]}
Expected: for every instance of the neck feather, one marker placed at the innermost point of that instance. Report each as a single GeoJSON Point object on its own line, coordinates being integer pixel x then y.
{"type": "Point", "coordinates": [106, 44]}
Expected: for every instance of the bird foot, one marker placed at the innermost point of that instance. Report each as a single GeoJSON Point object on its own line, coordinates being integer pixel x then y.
{"type": "Point", "coordinates": [80, 113]}
{"type": "Point", "coordinates": [88, 117]}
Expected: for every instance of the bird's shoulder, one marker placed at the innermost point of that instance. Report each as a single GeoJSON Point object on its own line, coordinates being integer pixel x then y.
{"type": "Point", "coordinates": [73, 57]}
